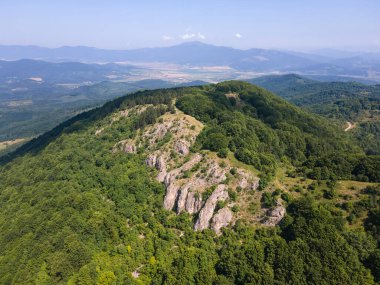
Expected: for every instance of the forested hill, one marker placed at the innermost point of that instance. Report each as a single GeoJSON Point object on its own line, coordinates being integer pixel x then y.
{"type": "Point", "coordinates": [341, 102]}
{"type": "Point", "coordinates": [190, 186]}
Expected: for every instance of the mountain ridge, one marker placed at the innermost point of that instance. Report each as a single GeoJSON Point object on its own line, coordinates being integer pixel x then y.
{"type": "Point", "coordinates": [111, 196]}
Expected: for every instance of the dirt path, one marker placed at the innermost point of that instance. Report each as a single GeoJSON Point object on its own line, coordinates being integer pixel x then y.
{"type": "Point", "coordinates": [349, 126]}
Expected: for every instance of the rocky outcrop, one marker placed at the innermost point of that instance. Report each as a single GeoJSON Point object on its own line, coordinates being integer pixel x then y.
{"type": "Point", "coordinates": [188, 201]}
{"type": "Point", "coordinates": [161, 167]}
{"type": "Point", "coordinates": [151, 160]}
{"type": "Point", "coordinates": [128, 146]}
{"type": "Point", "coordinates": [246, 181]}
{"type": "Point", "coordinates": [181, 147]}
{"type": "Point", "coordinates": [215, 174]}
{"type": "Point", "coordinates": [173, 187]}
{"type": "Point", "coordinates": [161, 130]}
{"type": "Point", "coordinates": [205, 215]}
{"type": "Point", "coordinates": [193, 202]}
{"type": "Point", "coordinates": [182, 198]}
{"type": "Point", "coordinates": [159, 163]}
{"type": "Point", "coordinates": [255, 184]}
{"type": "Point", "coordinates": [99, 131]}
{"type": "Point", "coordinates": [184, 174]}
{"type": "Point", "coordinates": [221, 219]}
{"type": "Point", "coordinates": [274, 216]}
{"type": "Point", "coordinates": [171, 196]}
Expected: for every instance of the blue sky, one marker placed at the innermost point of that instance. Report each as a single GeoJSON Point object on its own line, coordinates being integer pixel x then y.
{"type": "Point", "coordinates": [114, 24]}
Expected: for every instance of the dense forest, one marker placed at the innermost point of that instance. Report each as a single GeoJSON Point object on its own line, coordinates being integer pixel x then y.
{"type": "Point", "coordinates": [72, 211]}
{"type": "Point", "coordinates": [338, 101]}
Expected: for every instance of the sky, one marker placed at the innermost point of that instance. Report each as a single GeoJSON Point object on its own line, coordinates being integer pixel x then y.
{"type": "Point", "coordinates": [116, 24]}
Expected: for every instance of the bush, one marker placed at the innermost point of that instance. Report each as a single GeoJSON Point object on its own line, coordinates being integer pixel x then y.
{"type": "Point", "coordinates": [216, 142]}
{"type": "Point", "coordinates": [223, 153]}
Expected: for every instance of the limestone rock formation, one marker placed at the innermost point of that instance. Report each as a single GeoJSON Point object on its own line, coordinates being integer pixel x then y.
{"type": "Point", "coordinates": [182, 147]}
{"type": "Point", "coordinates": [99, 131]}
{"type": "Point", "coordinates": [193, 202]}
{"type": "Point", "coordinates": [128, 146]}
{"type": "Point", "coordinates": [151, 160]}
{"type": "Point", "coordinates": [221, 219]}
{"type": "Point", "coordinates": [186, 176]}
{"type": "Point", "coordinates": [205, 215]}
{"type": "Point", "coordinates": [275, 215]}
{"type": "Point", "coordinates": [171, 196]}
{"type": "Point", "coordinates": [246, 181]}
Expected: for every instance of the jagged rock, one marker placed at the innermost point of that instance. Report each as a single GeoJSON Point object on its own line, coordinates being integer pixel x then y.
{"type": "Point", "coordinates": [275, 215]}
{"type": "Point", "coordinates": [160, 163]}
{"type": "Point", "coordinates": [124, 113]}
{"type": "Point", "coordinates": [193, 203]}
{"type": "Point", "coordinates": [182, 147]}
{"type": "Point", "coordinates": [243, 183]}
{"type": "Point", "coordinates": [193, 161]}
{"type": "Point", "coordinates": [215, 173]}
{"type": "Point", "coordinates": [129, 148]}
{"type": "Point", "coordinates": [151, 160]}
{"type": "Point", "coordinates": [246, 181]}
{"type": "Point", "coordinates": [182, 198]}
{"type": "Point", "coordinates": [221, 219]}
{"type": "Point", "coordinates": [99, 131]}
{"type": "Point", "coordinates": [161, 167]}
{"type": "Point", "coordinates": [205, 215]}
{"type": "Point", "coordinates": [171, 196]}
{"type": "Point", "coordinates": [255, 184]}
{"type": "Point", "coordinates": [161, 130]}
{"type": "Point", "coordinates": [169, 178]}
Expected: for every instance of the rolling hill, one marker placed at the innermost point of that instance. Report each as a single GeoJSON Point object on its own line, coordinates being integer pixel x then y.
{"type": "Point", "coordinates": [216, 184]}
{"type": "Point", "coordinates": [342, 102]}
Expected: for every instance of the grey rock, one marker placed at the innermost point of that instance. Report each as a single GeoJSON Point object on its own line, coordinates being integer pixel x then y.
{"type": "Point", "coordinates": [161, 131]}
{"type": "Point", "coordinates": [182, 198]}
{"type": "Point", "coordinates": [274, 216]}
{"type": "Point", "coordinates": [182, 147]}
{"type": "Point", "coordinates": [151, 160]}
{"type": "Point", "coordinates": [216, 174]}
{"type": "Point", "coordinates": [221, 219]}
{"type": "Point", "coordinates": [205, 215]}
{"type": "Point", "coordinates": [255, 184]}
{"type": "Point", "coordinates": [161, 167]}
{"type": "Point", "coordinates": [193, 203]}
{"type": "Point", "coordinates": [171, 196]}
{"type": "Point", "coordinates": [129, 148]}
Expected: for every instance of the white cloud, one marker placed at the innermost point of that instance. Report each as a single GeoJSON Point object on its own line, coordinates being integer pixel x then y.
{"type": "Point", "coordinates": [201, 36]}
{"type": "Point", "coordinates": [167, 38]}
{"type": "Point", "coordinates": [187, 36]}
{"type": "Point", "coordinates": [239, 36]}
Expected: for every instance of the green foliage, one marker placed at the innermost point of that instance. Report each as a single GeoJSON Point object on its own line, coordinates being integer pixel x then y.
{"type": "Point", "coordinates": [222, 153]}
{"type": "Point", "coordinates": [263, 129]}
{"type": "Point", "coordinates": [74, 212]}
{"type": "Point", "coordinates": [268, 200]}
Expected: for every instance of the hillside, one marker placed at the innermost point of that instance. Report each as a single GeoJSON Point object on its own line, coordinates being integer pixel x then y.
{"type": "Point", "coordinates": [343, 102]}
{"type": "Point", "coordinates": [217, 184]}
{"type": "Point", "coordinates": [29, 108]}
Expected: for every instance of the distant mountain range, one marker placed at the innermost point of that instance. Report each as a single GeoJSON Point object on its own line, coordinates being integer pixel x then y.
{"type": "Point", "coordinates": [58, 72]}
{"type": "Point", "coordinates": [359, 65]}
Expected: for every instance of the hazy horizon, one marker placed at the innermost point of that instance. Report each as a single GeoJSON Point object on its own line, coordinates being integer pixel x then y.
{"type": "Point", "coordinates": [294, 25]}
